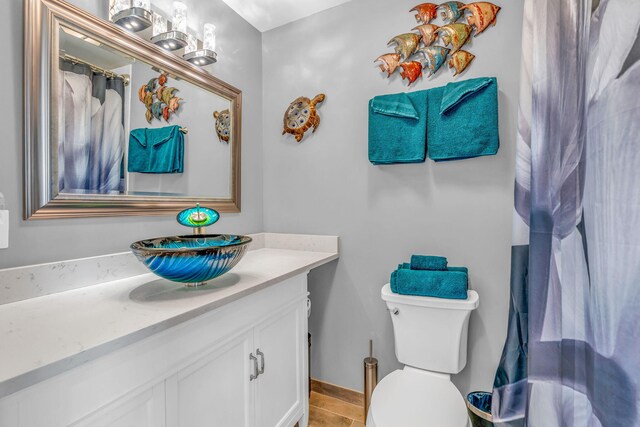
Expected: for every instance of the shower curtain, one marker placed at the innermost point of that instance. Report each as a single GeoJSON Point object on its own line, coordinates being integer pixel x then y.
{"type": "Point", "coordinates": [91, 131]}
{"type": "Point", "coordinates": [572, 354]}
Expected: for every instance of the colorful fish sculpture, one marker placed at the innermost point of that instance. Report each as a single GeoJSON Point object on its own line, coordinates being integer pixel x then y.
{"type": "Point", "coordinates": [406, 44]}
{"type": "Point", "coordinates": [152, 84]}
{"type": "Point", "coordinates": [428, 32]}
{"type": "Point", "coordinates": [426, 12]}
{"type": "Point", "coordinates": [142, 92]}
{"type": "Point", "coordinates": [389, 62]}
{"type": "Point", "coordinates": [451, 11]}
{"type": "Point", "coordinates": [167, 94]}
{"type": "Point", "coordinates": [460, 60]}
{"type": "Point", "coordinates": [162, 79]}
{"type": "Point", "coordinates": [411, 71]}
{"type": "Point", "coordinates": [455, 35]}
{"type": "Point", "coordinates": [483, 14]}
{"type": "Point", "coordinates": [435, 56]}
{"type": "Point", "coordinates": [174, 104]}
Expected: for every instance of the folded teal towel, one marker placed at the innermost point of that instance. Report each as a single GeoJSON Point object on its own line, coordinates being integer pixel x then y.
{"type": "Point", "coordinates": [426, 262]}
{"type": "Point", "coordinates": [397, 128]}
{"type": "Point", "coordinates": [157, 150]}
{"type": "Point", "coordinates": [430, 283]}
{"type": "Point", "coordinates": [462, 120]}
{"type": "Point", "coordinates": [407, 266]}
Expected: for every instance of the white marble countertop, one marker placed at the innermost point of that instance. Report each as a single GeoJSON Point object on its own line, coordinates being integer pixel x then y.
{"type": "Point", "coordinates": [45, 336]}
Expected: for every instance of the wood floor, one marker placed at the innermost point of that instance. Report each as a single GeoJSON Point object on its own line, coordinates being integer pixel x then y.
{"type": "Point", "coordinates": [332, 406]}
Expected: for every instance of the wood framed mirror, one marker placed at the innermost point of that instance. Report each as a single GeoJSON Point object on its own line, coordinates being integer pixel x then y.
{"type": "Point", "coordinates": [90, 147]}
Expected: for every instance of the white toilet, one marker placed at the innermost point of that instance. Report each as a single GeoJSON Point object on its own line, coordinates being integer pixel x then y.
{"type": "Point", "coordinates": [431, 341]}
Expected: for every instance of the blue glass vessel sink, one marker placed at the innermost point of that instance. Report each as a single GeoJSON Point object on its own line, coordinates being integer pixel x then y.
{"type": "Point", "coordinates": [191, 259]}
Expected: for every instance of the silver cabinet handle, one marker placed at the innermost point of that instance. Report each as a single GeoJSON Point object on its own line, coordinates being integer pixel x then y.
{"type": "Point", "coordinates": [261, 354]}
{"type": "Point", "coordinates": [255, 367]}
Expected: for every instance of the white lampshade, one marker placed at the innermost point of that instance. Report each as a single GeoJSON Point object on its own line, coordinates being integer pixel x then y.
{"type": "Point", "coordinates": [209, 37]}
{"type": "Point", "coordinates": [143, 4]}
{"type": "Point", "coordinates": [159, 24]}
{"type": "Point", "coordinates": [192, 44]}
{"type": "Point", "coordinates": [179, 22]}
{"type": "Point", "coordinates": [116, 6]}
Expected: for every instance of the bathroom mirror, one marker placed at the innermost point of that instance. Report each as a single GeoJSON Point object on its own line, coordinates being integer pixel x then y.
{"type": "Point", "coordinates": [115, 125]}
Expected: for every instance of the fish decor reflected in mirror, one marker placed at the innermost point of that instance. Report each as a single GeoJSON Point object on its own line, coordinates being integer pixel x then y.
{"type": "Point", "coordinates": [301, 115]}
{"type": "Point", "coordinates": [437, 43]}
{"type": "Point", "coordinates": [159, 99]}
{"type": "Point", "coordinates": [223, 124]}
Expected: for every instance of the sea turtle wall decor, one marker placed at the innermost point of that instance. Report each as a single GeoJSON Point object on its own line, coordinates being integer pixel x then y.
{"type": "Point", "coordinates": [440, 37]}
{"type": "Point", "coordinates": [301, 116]}
{"type": "Point", "coordinates": [223, 124]}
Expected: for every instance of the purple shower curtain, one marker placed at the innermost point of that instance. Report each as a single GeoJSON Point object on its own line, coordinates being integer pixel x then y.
{"type": "Point", "coordinates": [572, 355]}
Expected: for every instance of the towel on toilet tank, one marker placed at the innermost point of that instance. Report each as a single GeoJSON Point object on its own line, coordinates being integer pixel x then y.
{"type": "Point", "coordinates": [427, 262]}
{"type": "Point", "coordinates": [451, 284]}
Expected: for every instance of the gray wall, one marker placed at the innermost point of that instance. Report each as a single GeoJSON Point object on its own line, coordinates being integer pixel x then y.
{"type": "Point", "coordinates": [383, 214]}
{"type": "Point", "coordinates": [239, 50]}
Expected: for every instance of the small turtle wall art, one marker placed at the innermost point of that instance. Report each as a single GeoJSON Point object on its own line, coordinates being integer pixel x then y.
{"type": "Point", "coordinates": [160, 100]}
{"type": "Point", "coordinates": [223, 124]}
{"type": "Point", "coordinates": [301, 115]}
{"type": "Point", "coordinates": [443, 31]}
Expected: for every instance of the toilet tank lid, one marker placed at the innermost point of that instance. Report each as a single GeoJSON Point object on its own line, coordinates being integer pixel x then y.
{"type": "Point", "coordinates": [471, 303]}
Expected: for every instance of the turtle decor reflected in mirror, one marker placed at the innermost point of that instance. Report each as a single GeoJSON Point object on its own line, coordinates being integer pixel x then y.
{"type": "Point", "coordinates": [302, 116]}
{"type": "Point", "coordinates": [223, 124]}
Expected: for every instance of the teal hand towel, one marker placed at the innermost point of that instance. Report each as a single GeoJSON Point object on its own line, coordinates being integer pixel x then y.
{"type": "Point", "coordinates": [430, 283]}
{"type": "Point", "coordinates": [397, 128]}
{"type": "Point", "coordinates": [426, 262]}
{"type": "Point", "coordinates": [463, 120]}
{"type": "Point", "coordinates": [157, 150]}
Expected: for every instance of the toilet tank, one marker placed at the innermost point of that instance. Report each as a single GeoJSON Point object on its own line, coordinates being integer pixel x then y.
{"type": "Point", "coordinates": [430, 333]}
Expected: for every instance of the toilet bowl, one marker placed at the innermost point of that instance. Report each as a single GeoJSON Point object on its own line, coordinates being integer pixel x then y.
{"type": "Point", "coordinates": [431, 341]}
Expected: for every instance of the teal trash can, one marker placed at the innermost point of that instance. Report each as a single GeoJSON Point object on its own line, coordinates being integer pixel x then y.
{"type": "Point", "coordinates": [479, 409]}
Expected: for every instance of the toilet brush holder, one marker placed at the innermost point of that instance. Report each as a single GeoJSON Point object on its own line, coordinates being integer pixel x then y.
{"type": "Point", "coordinates": [370, 378]}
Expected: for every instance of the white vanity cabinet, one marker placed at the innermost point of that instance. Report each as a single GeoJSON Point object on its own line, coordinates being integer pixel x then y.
{"type": "Point", "coordinates": [243, 364]}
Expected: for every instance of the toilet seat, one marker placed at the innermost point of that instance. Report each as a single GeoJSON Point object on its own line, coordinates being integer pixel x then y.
{"type": "Point", "coordinates": [415, 398]}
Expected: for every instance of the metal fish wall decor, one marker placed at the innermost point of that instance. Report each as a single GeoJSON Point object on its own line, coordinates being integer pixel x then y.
{"type": "Point", "coordinates": [159, 99]}
{"type": "Point", "coordinates": [429, 45]}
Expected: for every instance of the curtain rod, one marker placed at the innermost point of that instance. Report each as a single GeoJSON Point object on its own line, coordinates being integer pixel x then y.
{"type": "Point", "coordinates": [125, 77]}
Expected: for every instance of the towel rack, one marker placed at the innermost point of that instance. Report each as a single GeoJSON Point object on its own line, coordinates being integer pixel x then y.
{"type": "Point", "coordinates": [184, 130]}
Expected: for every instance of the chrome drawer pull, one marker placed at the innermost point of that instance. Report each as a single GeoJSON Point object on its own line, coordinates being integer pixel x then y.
{"type": "Point", "coordinates": [255, 367]}
{"type": "Point", "coordinates": [261, 354]}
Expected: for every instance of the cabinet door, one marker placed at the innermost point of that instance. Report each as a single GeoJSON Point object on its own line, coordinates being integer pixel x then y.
{"type": "Point", "coordinates": [279, 389]}
{"type": "Point", "coordinates": [215, 390]}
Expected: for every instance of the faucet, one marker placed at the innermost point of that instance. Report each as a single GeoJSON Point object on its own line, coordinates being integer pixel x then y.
{"type": "Point", "coordinates": [198, 218]}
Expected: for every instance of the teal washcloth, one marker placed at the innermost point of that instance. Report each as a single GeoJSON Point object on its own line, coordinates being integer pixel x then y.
{"type": "Point", "coordinates": [426, 262]}
{"type": "Point", "coordinates": [430, 283]}
{"type": "Point", "coordinates": [157, 150]}
{"type": "Point", "coordinates": [397, 128]}
{"type": "Point", "coordinates": [463, 120]}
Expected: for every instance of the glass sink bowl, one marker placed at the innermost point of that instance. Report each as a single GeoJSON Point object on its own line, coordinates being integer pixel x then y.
{"type": "Point", "coordinates": [191, 259]}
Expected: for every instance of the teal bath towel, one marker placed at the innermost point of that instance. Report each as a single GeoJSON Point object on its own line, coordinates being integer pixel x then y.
{"type": "Point", "coordinates": [397, 128]}
{"type": "Point", "coordinates": [157, 150]}
{"type": "Point", "coordinates": [463, 120]}
{"type": "Point", "coordinates": [426, 262]}
{"type": "Point", "coordinates": [430, 283]}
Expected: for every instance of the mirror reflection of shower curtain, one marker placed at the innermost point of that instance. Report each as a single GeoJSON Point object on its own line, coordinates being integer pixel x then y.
{"type": "Point", "coordinates": [91, 131]}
